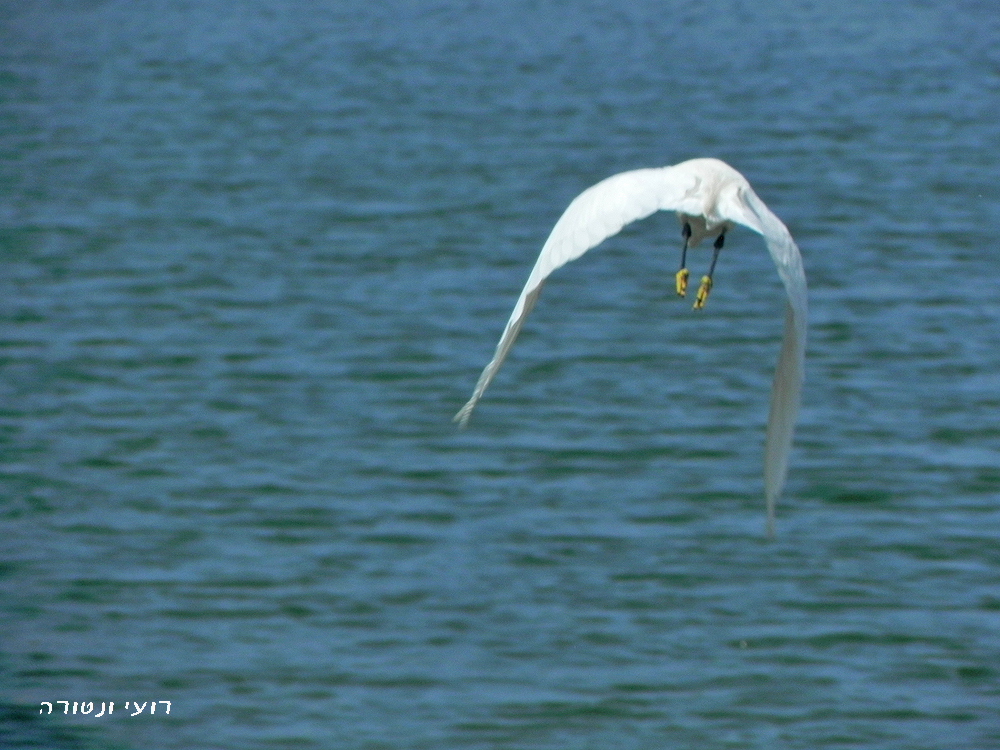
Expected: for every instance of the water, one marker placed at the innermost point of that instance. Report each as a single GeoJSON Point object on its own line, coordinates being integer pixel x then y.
{"type": "Point", "coordinates": [256, 254]}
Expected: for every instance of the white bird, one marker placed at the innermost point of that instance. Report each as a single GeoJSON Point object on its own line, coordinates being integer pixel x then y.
{"type": "Point", "coordinates": [710, 197]}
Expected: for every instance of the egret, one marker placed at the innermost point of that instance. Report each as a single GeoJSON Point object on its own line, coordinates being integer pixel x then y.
{"type": "Point", "coordinates": [710, 198]}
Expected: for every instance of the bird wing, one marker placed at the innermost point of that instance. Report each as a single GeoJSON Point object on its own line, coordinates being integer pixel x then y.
{"type": "Point", "coordinates": [744, 207]}
{"type": "Point", "coordinates": [599, 212]}
{"type": "Point", "coordinates": [691, 188]}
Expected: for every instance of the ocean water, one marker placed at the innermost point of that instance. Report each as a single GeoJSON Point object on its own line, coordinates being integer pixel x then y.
{"type": "Point", "coordinates": [254, 257]}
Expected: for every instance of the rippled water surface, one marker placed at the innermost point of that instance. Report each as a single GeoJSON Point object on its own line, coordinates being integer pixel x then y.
{"type": "Point", "coordinates": [254, 257]}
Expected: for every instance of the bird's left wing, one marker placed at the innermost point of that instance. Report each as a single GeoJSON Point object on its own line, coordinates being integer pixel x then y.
{"type": "Point", "coordinates": [596, 214]}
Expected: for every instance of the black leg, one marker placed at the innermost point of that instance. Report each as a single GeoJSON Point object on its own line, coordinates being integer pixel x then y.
{"type": "Point", "coordinates": [719, 241]}
{"type": "Point", "coordinates": [682, 274]}
{"type": "Point", "coordinates": [706, 280]}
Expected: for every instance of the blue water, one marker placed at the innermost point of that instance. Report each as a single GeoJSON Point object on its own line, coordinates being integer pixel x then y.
{"type": "Point", "coordinates": [254, 257]}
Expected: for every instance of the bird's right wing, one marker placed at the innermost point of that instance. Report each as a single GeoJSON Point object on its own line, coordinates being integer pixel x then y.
{"type": "Point", "coordinates": [597, 213]}
{"type": "Point", "coordinates": [746, 208]}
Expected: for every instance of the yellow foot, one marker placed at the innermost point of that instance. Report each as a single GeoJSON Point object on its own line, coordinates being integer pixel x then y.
{"type": "Point", "coordinates": [682, 282]}
{"type": "Point", "coordinates": [703, 290]}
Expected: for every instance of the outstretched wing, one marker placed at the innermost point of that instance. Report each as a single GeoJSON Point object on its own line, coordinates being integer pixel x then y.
{"type": "Point", "coordinates": [744, 207]}
{"type": "Point", "coordinates": [596, 214]}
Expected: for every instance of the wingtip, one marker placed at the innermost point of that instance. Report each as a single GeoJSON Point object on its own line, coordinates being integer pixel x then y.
{"type": "Point", "coordinates": [771, 498]}
{"type": "Point", "coordinates": [463, 415]}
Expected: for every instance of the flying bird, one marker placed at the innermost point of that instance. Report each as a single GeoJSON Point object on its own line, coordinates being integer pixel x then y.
{"type": "Point", "coordinates": [710, 198]}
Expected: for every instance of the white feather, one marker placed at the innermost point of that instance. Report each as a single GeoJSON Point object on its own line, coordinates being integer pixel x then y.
{"type": "Point", "coordinates": [711, 196]}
